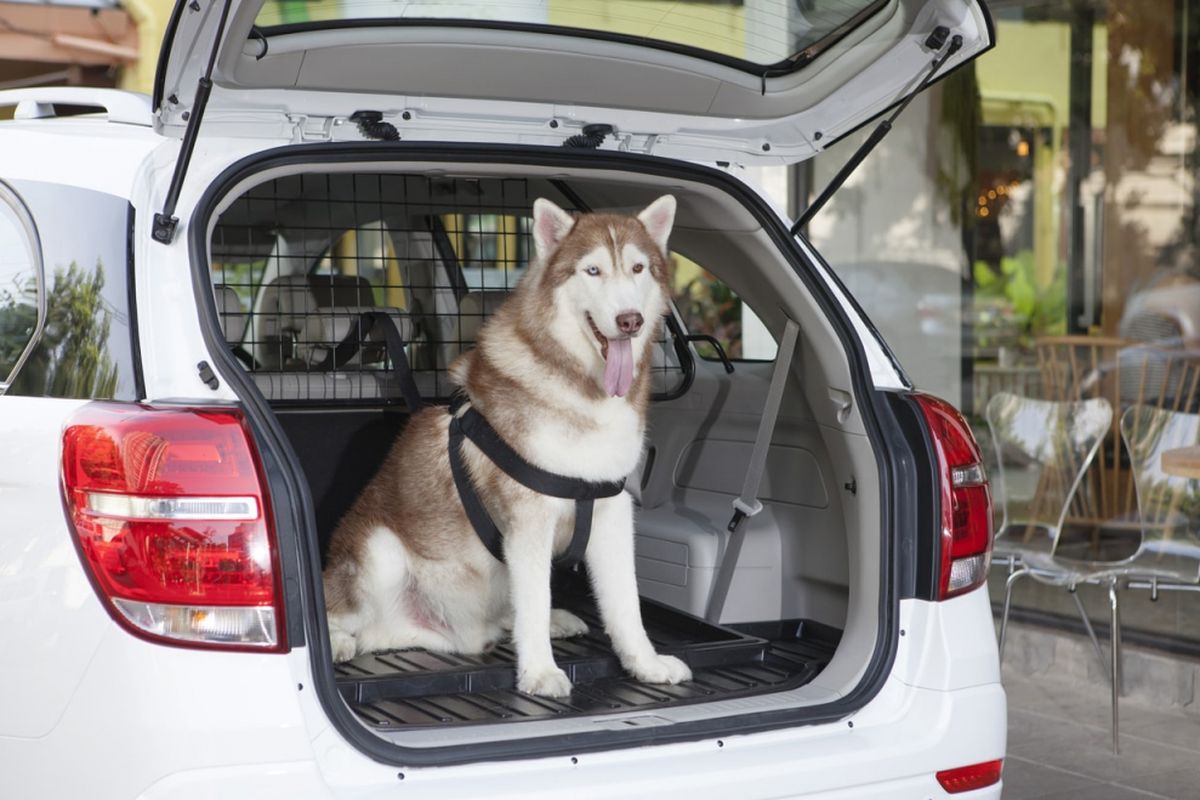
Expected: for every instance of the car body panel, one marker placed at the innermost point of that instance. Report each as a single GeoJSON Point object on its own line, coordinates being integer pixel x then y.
{"type": "Point", "coordinates": [51, 618]}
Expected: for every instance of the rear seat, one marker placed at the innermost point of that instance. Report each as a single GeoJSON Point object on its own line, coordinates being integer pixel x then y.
{"type": "Point", "coordinates": [298, 323]}
{"type": "Point", "coordinates": [473, 311]}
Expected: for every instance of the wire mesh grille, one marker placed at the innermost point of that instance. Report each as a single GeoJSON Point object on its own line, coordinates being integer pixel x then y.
{"type": "Point", "coordinates": [304, 267]}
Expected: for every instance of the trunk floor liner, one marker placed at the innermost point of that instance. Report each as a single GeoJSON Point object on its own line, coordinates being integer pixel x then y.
{"type": "Point", "coordinates": [418, 688]}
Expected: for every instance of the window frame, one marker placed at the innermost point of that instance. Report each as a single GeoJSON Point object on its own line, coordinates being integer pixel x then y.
{"type": "Point", "coordinates": [33, 244]}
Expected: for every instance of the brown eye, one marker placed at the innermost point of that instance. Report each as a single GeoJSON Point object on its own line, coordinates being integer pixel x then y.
{"type": "Point", "coordinates": [638, 267]}
{"type": "Point", "coordinates": [592, 270]}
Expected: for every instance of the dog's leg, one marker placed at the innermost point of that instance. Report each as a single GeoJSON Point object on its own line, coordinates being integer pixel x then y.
{"type": "Point", "coordinates": [341, 640]}
{"type": "Point", "coordinates": [528, 546]}
{"type": "Point", "coordinates": [610, 564]}
{"type": "Point", "coordinates": [564, 624]}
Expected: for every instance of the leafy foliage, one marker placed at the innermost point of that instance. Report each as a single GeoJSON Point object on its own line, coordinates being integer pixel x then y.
{"type": "Point", "coordinates": [72, 358]}
{"type": "Point", "coordinates": [1038, 311]}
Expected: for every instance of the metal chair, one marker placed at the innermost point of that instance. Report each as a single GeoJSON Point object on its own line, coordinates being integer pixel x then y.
{"type": "Point", "coordinates": [1126, 373]}
{"type": "Point", "coordinates": [1043, 449]}
{"type": "Point", "coordinates": [1168, 555]}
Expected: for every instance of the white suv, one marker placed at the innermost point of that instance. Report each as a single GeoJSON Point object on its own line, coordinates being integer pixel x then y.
{"type": "Point", "coordinates": [204, 297]}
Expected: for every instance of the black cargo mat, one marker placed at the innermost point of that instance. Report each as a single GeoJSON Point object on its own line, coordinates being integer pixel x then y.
{"type": "Point", "coordinates": [402, 689]}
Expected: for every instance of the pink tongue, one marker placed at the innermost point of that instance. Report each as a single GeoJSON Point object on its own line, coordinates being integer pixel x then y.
{"type": "Point", "coordinates": [618, 367]}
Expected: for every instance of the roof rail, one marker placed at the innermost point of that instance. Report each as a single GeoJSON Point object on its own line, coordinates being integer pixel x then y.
{"type": "Point", "coordinates": [38, 102]}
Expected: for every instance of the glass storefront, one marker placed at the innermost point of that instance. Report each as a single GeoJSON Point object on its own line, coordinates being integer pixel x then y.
{"type": "Point", "coordinates": [1029, 232]}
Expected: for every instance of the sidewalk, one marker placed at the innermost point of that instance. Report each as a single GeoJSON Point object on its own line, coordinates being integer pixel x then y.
{"type": "Point", "coordinates": [1059, 739]}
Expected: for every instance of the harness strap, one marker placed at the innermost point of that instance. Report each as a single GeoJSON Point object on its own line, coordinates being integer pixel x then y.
{"type": "Point", "coordinates": [481, 521]}
{"type": "Point", "coordinates": [470, 424]}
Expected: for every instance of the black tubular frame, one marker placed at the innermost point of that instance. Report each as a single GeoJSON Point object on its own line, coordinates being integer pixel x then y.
{"type": "Point", "coordinates": [295, 514]}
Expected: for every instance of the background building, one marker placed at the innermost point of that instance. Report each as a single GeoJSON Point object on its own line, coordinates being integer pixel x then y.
{"type": "Point", "coordinates": [1035, 217]}
{"type": "Point", "coordinates": [81, 42]}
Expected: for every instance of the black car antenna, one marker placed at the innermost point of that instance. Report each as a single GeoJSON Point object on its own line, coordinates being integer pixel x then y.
{"type": "Point", "coordinates": [935, 42]}
{"type": "Point", "coordinates": [165, 222]}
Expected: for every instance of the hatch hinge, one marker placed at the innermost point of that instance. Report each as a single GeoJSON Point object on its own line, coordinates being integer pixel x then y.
{"type": "Point", "coordinates": [312, 129]}
{"type": "Point", "coordinates": [165, 222]}
{"type": "Point", "coordinates": [935, 41]}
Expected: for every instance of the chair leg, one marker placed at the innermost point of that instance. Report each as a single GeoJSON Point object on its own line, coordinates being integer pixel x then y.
{"type": "Point", "coordinates": [1008, 590]}
{"type": "Point", "coordinates": [1116, 665]}
{"type": "Point", "coordinates": [1091, 632]}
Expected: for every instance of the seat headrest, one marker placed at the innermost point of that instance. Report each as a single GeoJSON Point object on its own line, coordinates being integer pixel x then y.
{"type": "Point", "coordinates": [341, 290]}
{"type": "Point", "coordinates": [229, 309]}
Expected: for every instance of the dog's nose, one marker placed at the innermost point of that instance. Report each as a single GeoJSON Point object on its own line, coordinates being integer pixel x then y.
{"type": "Point", "coordinates": [629, 322]}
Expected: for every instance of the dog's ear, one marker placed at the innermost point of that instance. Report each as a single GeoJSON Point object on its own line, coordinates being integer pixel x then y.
{"type": "Point", "coordinates": [550, 226]}
{"type": "Point", "coordinates": [658, 217]}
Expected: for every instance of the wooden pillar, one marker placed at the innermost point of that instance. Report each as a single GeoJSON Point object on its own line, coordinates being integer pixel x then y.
{"type": "Point", "coordinates": [1141, 57]}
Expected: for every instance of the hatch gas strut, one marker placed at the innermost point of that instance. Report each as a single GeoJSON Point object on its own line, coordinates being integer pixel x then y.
{"type": "Point", "coordinates": [935, 42]}
{"type": "Point", "coordinates": [163, 229]}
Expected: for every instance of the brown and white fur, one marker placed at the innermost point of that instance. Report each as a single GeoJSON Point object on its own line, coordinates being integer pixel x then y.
{"type": "Point", "coordinates": [406, 568]}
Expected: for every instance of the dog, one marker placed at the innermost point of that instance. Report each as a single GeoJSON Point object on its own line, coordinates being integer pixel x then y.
{"type": "Point", "coordinates": [561, 372]}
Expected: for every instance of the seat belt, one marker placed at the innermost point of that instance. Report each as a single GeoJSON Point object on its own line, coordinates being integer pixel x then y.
{"type": "Point", "coordinates": [747, 505]}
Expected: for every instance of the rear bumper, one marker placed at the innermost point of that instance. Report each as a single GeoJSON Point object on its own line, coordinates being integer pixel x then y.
{"type": "Point", "coordinates": [163, 722]}
{"type": "Point", "coordinates": [896, 745]}
{"type": "Point", "coordinates": [893, 751]}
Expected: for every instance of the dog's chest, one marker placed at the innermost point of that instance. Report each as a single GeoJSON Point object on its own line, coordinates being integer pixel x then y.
{"type": "Point", "coordinates": [605, 443]}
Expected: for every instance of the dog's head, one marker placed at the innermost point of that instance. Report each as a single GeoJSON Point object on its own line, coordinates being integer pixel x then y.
{"type": "Point", "coordinates": [609, 274]}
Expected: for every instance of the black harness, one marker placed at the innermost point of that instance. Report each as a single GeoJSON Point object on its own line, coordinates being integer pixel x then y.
{"type": "Point", "coordinates": [470, 424]}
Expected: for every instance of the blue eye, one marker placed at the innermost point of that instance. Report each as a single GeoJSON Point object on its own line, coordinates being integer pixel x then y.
{"type": "Point", "coordinates": [592, 270]}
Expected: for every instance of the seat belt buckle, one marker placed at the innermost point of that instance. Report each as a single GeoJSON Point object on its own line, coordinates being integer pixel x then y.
{"type": "Point", "coordinates": [742, 510]}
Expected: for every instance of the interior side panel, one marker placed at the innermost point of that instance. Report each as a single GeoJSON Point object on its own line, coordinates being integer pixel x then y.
{"type": "Point", "coordinates": [793, 560]}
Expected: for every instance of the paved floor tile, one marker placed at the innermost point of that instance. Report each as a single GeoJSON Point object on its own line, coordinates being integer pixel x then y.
{"type": "Point", "coordinates": [1104, 791]}
{"type": "Point", "coordinates": [1026, 780]}
{"type": "Point", "coordinates": [1059, 744]}
{"type": "Point", "coordinates": [1182, 783]}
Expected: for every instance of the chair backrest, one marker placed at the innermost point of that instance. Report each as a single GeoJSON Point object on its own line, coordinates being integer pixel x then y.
{"type": "Point", "coordinates": [1168, 504]}
{"type": "Point", "coordinates": [1125, 373]}
{"type": "Point", "coordinates": [1043, 447]}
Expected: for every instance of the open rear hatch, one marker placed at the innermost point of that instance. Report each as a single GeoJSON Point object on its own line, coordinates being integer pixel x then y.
{"type": "Point", "coordinates": [700, 81]}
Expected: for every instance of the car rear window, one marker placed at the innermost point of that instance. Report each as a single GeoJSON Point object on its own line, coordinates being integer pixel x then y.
{"type": "Point", "coordinates": [86, 350]}
{"type": "Point", "coordinates": [763, 33]}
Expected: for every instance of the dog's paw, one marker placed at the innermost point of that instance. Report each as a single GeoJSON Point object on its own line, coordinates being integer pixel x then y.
{"type": "Point", "coordinates": [546, 682]}
{"type": "Point", "coordinates": [343, 645]}
{"type": "Point", "coordinates": [564, 624]}
{"type": "Point", "coordinates": [660, 669]}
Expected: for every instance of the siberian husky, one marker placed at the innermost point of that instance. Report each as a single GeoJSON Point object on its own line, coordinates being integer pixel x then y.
{"type": "Point", "coordinates": [561, 372]}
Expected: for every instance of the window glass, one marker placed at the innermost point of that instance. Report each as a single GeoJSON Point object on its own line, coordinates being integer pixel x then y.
{"type": "Point", "coordinates": [708, 306]}
{"type": "Point", "coordinates": [367, 252]}
{"type": "Point", "coordinates": [493, 250]}
{"type": "Point", "coordinates": [85, 350]}
{"type": "Point", "coordinates": [763, 32]}
{"type": "Point", "coordinates": [20, 275]}
{"type": "Point", "coordinates": [1031, 228]}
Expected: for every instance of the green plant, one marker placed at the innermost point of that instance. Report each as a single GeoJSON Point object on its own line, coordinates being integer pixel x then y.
{"type": "Point", "coordinates": [1036, 311]}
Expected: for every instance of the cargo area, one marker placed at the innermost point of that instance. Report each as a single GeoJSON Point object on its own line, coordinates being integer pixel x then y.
{"type": "Point", "coordinates": [415, 688]}
{"type": "Point", "coordinates": [309, 268]}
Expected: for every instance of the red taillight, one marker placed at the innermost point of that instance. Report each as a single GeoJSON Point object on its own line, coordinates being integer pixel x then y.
{"type": "Point", "coordinates": [172, 522]}
{"type": "Point", "coordinates": [976, 776]}
{"type": "Point", "coordinates": [966, 524]}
